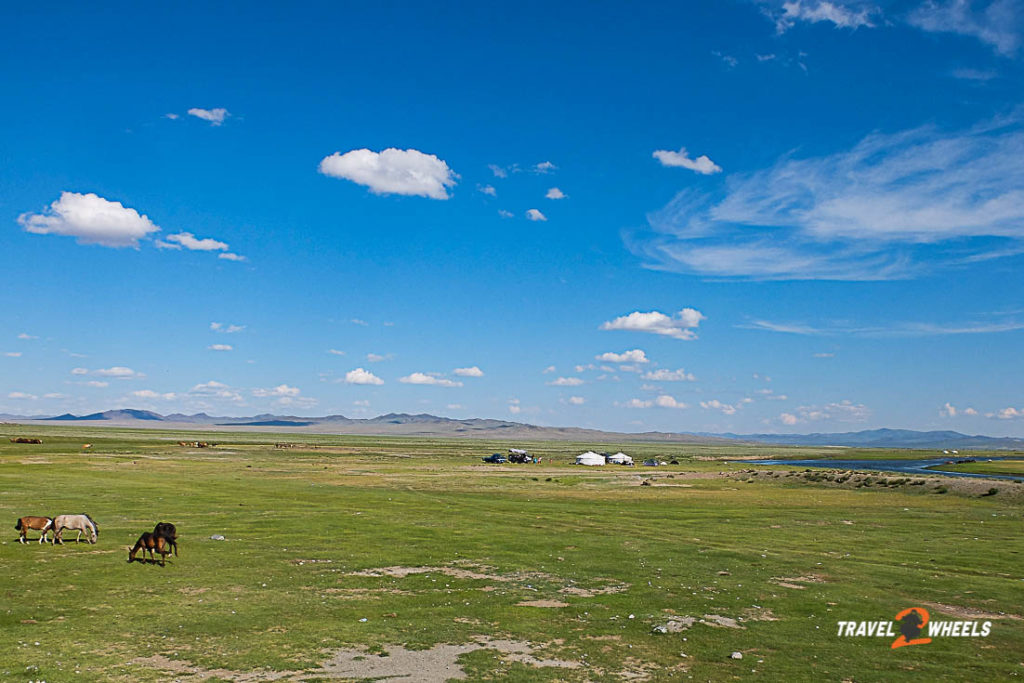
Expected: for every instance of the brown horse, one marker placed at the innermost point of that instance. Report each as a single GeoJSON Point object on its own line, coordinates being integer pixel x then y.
{"type": "Point", "coordinates": [150, 542]}
{"type": "Point", "coordinates": [169, 533]}
{"type": "Point", "coordinates": [43, 524]}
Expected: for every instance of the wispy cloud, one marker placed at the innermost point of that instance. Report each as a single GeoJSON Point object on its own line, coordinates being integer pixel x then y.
{"type": "Point", "coordinates": [214, 116]}
{"type": "Point", "coordinates": [903, 329]}
{"type": "Point", "coordinates": [535, 215]}
{"type": "Point", "coordinates": [997, 24]}
{"type": "Point", "coordinates": [225, 328]}
{"type": "Point", "coordinates": [565, 382]}
{"type": "Point", "coordinates": [220, 347]}
{"type": "Point", "coordinates": [664, 375]}
{"type": "Point", "coordinates": [841, 14]}
{"type": "Point", "coordinates": [633, 356]}
{"type": "Point", "coordinates": [473, 371]}
{"type": "Point", "coordinates": [892, 207]}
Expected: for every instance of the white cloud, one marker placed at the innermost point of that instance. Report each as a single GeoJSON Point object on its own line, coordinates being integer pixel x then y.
{"type": "Point", "coordinates": [91, 219]}
{"type": "Point", "coordinates": [336, 352]}
{"type": "Point", "coordinates": [544, 167]}
{"type": "Point", "coordinates": [361, 404]}
{"type": "Point", "coordinates": [281, 390]}
{"type": "Point", "coordinates": [842, 411]}
{"type": "Point", "coordinates": [577, 400]}
{"type": "Point", "coordinates": [473, 371]}
{"type": "Point", "coordinates": [118, 372]}
{"type": "Point", "coordinates": [56, 395]}
{"type": "Point", "coordinates": [970, 411]}
{"type": "Point", "coordinates": [498, 171]}
{"type": "Point", "coordinates": [868, 213]}
{"type": "Point", "coordinates": [1009, 413]}
{"type": "Point", "coordinates": [214, 116]}
{"type": "Point", "coordinates": [216, 390]}
{"type": "Point", "coordinates": [824, 355]}
{"type": "Point", "coordinates": [97, 384]}
{"type": "Point", "coordinates": [13, 354]}
{"type": "Point", "coordinates": [488, 190]}
{"type": "Point", "coordinates": [514, 409]}
{"type": "Point", "coordinates": [566, 382]}
{"type": "Point", "coordinates": [189, 241]}
{"type": "Point", "coordinates": [715, 404]}
{"type": "Point", "coordinates": [229, 256]}
{"type": "Point", "coordinates": [548, 370]}
{"type": "Point", "coordinates": [555, 193]}
{"type": "Point", "coordinates": [506, 214]}
{"type": "Point", "coordinates": [226, 329]}
{"type": "Point", "coordinates": [998, 24]}
{"type": "Point", "coordinates": [535, 215]}
{"type": "Point", "coordinates": [150, 394]}
{"type": "Point", "coordinates": [634, 356]}
{"type": "Point", "coordinates": [973, 74]}
{"type": "Point", "coordinates": [837, 13]}
{"type": "Point", "coordinates": [359, 321]}
{"type": "Point", "coordinates": [220, 347]}
{"type": "Point", "coordinates": [172, 117]}
{"type": "Point", "coordinates": [377, 358]}
{"type": "Point", "coordinates": [701, 164]}
{"type": "Point", "coordinates": [79, 371]}
{"type": "Point", "coordinates": [661, 401]}
{"type": "Point", "coordinates": [25, 335]}
{"type": "Point", "coordinates": [422, 378]}
{"type": "Point", "coordinates": [22, 396]}
{"type": "Point", "coordinates": [664, 375]}
{"type": "Point", "coordinates": [679, 326]}
{"type": "Point", "coordinates": [948, 410]}
{"type": "Point", "coordinates": [393, 171]}
{"type": "Point", "coordinates": [360, 376]}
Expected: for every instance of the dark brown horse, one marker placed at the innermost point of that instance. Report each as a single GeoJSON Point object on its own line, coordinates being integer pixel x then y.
{"type": "Point", "coordinates": [169, 533]}
{"type": "Point", "coordinates": [43, 524]}
{"type": "Point", "coordinates": [150, 542]}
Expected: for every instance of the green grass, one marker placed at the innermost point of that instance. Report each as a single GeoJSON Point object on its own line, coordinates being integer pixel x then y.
{"type": "Point", "coordinates": [1010, 467]}
{"type": "Point", "coordinates": [695, 543]}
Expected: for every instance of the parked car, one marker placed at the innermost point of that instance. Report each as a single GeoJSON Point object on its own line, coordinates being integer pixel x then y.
{"type": "Point", "coordinates": [651, 463]}
{"type": "Point", "coordinates": [496, 458]}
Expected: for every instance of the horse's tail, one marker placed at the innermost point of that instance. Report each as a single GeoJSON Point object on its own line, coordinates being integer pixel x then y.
{"type": "Point", "coordinates": [17, 526]}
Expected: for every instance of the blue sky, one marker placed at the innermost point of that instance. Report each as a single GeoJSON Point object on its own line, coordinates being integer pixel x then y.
{"type": "Point", "coordinates": [722, 216]}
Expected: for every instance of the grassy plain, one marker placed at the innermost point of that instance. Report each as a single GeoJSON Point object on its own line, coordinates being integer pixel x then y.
{"type": "Point", "coordinates": [366, 543]}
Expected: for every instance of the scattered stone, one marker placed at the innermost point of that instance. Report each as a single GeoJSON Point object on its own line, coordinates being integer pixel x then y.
{"type": "Point", "coordinates": [736, 655]}
{"type": "Point", "coordinates": [217, 537]}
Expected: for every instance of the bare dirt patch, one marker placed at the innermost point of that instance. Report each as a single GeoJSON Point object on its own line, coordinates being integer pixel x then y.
{"type": "Point", "coordinates": [542, 603]}
{"type": "Point", "coordinates": [183, 671]}
{"type": "Point", "coordinates": [796, 581]}
{"type": "Point", "coordinates": [969, 612]}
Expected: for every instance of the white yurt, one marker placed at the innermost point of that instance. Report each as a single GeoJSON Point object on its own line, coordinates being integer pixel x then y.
{"type": "Point", "coordinates": [620, 458]}
{"type": "Point", "coordinates": [590, 458]}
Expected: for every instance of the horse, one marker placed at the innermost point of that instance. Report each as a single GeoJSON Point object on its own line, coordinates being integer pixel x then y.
{"type": "Point", "coordinates": [150, 541]}
{"type": "Point", "coordinates": [169, 533]}
{"type": "Point", "coordinates": [43, 524]}
{"type": "Point", "coordinates": [79, 523]}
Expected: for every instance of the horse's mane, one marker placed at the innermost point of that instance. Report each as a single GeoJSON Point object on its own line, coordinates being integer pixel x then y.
{"type": "Point", "coordinates": [93, 522]}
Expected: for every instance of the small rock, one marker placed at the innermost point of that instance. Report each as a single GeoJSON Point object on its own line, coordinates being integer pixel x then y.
{"type": "Point", "coordinates": [363, 619]}
{"type": "Point", "coordinates": [660, 629]}
{"type": "Point", "coordinates": [217, 537]}
{"type": "Point", "coordinates": [736, 655]}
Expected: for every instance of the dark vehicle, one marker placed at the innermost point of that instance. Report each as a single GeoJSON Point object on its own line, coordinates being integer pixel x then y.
{"type": "Point", "coordinates": [651, 463]}
{"type": "Point", "coordinates": [496, 458]}
{"type": "Point", "coordinates": [520, 458]}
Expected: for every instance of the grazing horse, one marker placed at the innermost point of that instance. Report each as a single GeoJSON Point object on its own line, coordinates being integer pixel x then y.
{"type": "Point", "coordinates": [43, 524]}
{"type": "Point", "coordinates": [149, 541]}
{"type": "Point", "coordinates": [169, 533]}
{"type": "Point", "coordinates": [79, 523]}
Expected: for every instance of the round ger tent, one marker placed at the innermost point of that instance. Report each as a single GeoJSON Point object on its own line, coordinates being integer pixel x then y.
{"type": "Point", "coordinates": [620, 458]}
{"type": "Point", "coordinates": [589, 458]}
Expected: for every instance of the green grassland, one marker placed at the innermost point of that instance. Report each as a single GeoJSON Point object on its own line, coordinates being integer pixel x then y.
{"type": "Point", "coordinates": [602, 559]}
{"type": "Point", "coordinates": [1012, 467]}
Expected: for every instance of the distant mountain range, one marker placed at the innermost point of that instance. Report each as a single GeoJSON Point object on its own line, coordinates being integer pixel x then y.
{"type": "Point", "coordinates": [403, 424]}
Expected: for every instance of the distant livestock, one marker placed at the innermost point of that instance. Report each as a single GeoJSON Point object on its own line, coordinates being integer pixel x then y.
{"type": "Point", "coordinates": [150, 542]}
{"type": "Point", "coordinates": [43, 524]}
{"type": "Point", "coordinates": [77, 523]}
{"type": "Point", "coordinates": [195, 444]}
{"type": "Point", "coordinates": [24, 439]}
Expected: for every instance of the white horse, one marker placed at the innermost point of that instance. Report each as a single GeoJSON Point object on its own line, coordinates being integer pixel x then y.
{"type": "Point", "coordinates": [79, 523]}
